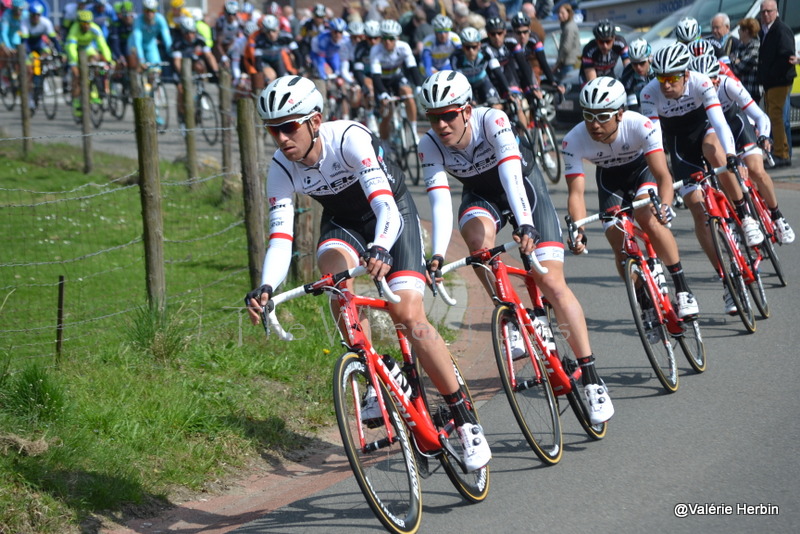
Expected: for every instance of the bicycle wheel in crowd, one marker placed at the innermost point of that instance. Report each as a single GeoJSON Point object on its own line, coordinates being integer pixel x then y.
{"type": "Point", "coordinates": [8, 87]}
{"type": "Point", "coordinates": [408, 153]}
{"type": "Point", "coordinates": [570, 362]}
{"type": "Point", "coordinates": [546, 151]}
{"type": "Point", "coordinates": [732, 275]}
{"type": "Point", "coordinates": [473, 486]}
{"type": "Point", "coordinates": [49, 95]}
{"type": "Point", "coordinates": [117, 99]}
{"type": "Point", "coordinates": [656, 340]}
{"type": "Point", "coordinates": [207, 118]}
{"type": "Point", "coordinates": [756, 287]}
{"type": "Point", "coordinates": [528, 389]}
{"type": "Point", "coordinates": [96, 104]}
{"type": "Point", "coordinates": [386, 472]}
{"type": "Point", "coordinates": [162, 106]}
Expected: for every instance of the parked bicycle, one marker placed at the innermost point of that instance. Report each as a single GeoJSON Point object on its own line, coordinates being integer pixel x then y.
{"type": "Point", "coordinates": [548, 369]}
{"type": "Point", "coordinates": [738, 264]}
{"type": "Point", "coordinates": [390, 453]}
{"type": "Point", "coordinates": [650, 297]}
{"type": "Point", "coordinates": [403, 139]}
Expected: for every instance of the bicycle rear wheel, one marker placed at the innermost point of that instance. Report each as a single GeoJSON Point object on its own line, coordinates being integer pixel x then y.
{"type": "Point", "coordinates": [756, 287]}
{"type": "Point", "coordinates": [8, 87]}
{"type": "Point", "coordinates": [50, 95]}
{"type": "Point", "coordinates": [386, 472]}
{"type": "Point", "coordinates": [408, 153]}
{"type": "Point", "coordinates": [569, 362]}
{"type": "Point", "coordinates": [162, 106]}
{"type": "Point", "coordinates": [117, 99]}
{"type": "Point", "coordinates": [473, 486]}
{"type": "Point", "coordinates": [656, 340]}
{"type": "Point", "coordinates": [546, 150]}
{"type": "Point", "coordinates": [528, 389]}
{"type": "Point", "coordinates": [207, 118]}
{"type": "Point", "coordinates": [731, 274]}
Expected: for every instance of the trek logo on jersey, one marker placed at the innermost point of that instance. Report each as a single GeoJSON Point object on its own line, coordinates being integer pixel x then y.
{"type": "Point", "coordinates": [648, 125]}
{"type": "Point", "coordinates": [272, 201]}
{"type": "Point", "coordinates": [367, 162]}
{"type": "Point", "coordinates": [501, 122]}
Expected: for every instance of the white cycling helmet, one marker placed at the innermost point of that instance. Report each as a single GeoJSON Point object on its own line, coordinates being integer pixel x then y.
{"type": "Point", "coordinates": [603, 92]}
{"type": "Point", "coordinates": [687, 30]}
{"type": "Point", "coordinates": [250, 27]}
{"type": "Point", "coordinates": [372, 28]}
{"type": "Point", "coordinates": [470, 35]}
{"type": "Point", "coordinates": [231, 7]}
{"type": "Point", "coordinates": [639, 50]}
{"type": "Point", "coordinates": [708, 65]}
{"type": "Point", "coordinates": [270, 23]}
{"type": "Point", "coordinates": [356, 28]}
{"type": "Point", "coordinates": [320, 11]}
{"type": "Point", "coordinates": [337, 25]}
{"type": "Point", "coordinates": [672, 58]}
{"type": "Point", "coordinates": [390, 28]}
{"type": "Point", "coordinates": [287, 96]}
{"type": "Point", "coordinates": [150, 5]}
{"type": "Point", "coordinates": [701, 47]}
{"type": "Point", "coordinates": [445, 88]}
{"type": "Point", "coordinates": [188, 24]}
{"type": "Point", "coordinates": [442, 23]}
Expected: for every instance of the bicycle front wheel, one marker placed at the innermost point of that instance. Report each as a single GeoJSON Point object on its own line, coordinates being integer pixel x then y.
{"type": "Point", "coordinates": [162, 106]}
{"type": "Point", "coordinates": [547, 153]}
{"type": "Point", "coordinates": [570, 363]}
{"type": "Point", "coordinates": [732, 274]}
{"type": "Point", "coordinates": [692, 345]}
{"type": "Point", "coordinates": [386, 470]}
{"type": "Point", "coordinates": [528, 389]}
{"type": "Point", "coordinates": [657, 342]}
{"type": "Point", "coordinates": [50, 95]}
{"type": "Point", "coordinates": [96, 105]}
{"type": "Point", "coordinates": [117, 99]}
{"type": "Point", "coordinates": [473, 486]}
{"type": "Point", "coordinates": [207, 118]}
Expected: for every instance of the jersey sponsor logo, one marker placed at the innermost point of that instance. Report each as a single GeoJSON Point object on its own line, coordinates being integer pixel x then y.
{"type": "Point", "coordinates": [272, 201]}
{"type": "Point", "coordinates": [648, 125]}
{"type": "Point", "coordinates": [367, 162]}
{"type": "Point", "coordinates": [506, 148]}
{"type": "Point", "coordinates": [501, 122]}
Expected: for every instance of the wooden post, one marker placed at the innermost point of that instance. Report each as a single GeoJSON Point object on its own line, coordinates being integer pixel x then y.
{"type": "Point", "coordinates": [83, 73]}
{"type": "Point", "coordinates": [150, 193]}
{"type": "Point", "coordinates": [25, 97]}
{"type": "Point", "coordinates": [136, 87]}
{"type": "Point", "coordinates": [188, 117]}
{"type": "Point", "coordinates": [225, 122]}
{"type": "Point", "coordinates": [252, 188]}
{"type": "Point", "coordinates": [304, 242]}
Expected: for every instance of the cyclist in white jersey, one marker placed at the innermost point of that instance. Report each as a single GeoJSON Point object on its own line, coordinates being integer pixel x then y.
{"type": "Point", "coordinates": [629, 158]}
{"type": "Point", "coordinates": [392, 62]}
{"type": "Point", "coordinates": [368, 217]}
{"type": "Point", "coordinates": [478, 148]}
{"type": "Point", "coordinates": [742, 112]}
{"type": "Point", "coordinates": [687, 107]}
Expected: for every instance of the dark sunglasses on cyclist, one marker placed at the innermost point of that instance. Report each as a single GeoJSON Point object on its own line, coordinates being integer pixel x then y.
{"type": "Point", "coordinates": [669, 78]}
{"type": "Point", "coordinates": [288, 127]}
{"type": "Point", "coordinates": [446, 116]}
{"type": "Point", "coordinates": [602, 117]}
{"type": "Point", "coordinates": [388, 37]}
{"type": "Point", "coordinates": [497, 33]}
{"type": "Point", "coordinates": [522, 32]}
{"type": "Point", "coordinates": [606, 41]}
{"type": "Point", "coordinates": [470, 47]}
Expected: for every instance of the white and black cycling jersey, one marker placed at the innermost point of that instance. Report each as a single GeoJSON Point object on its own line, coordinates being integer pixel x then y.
{"type": "Point", "coordinates": [695, 108]}
{"type": "Point", "coordinates": [350, 180]}
{"type": "Point", "coordinates": [391, 63]}
{"type": "Point", "coordinates": [732, 94]}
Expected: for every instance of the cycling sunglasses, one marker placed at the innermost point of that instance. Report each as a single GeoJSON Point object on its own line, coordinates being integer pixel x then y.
{"type": "Point", "coordinates": [470, 47]}
{"type": "Point", "coordinates": [602, 117]}
{"type": "Point", "coordinates": [447, 116]}
{"type": "Point", "coordinates": [288, 127]}
{"type": "Point", "coordinates": [669, 78]}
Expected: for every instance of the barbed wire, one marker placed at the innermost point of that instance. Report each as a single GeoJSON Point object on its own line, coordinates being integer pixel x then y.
{"type": "Point", "coordinates": [207, 236]}
{"type": "Point", "coordinates": [198, 180]}
{"type": "Point", "coordinates": [79, 258]}
{"type": "Point", "coordinates": [70, 199]}
{"type": "Point", "coordinates": [88, 184]}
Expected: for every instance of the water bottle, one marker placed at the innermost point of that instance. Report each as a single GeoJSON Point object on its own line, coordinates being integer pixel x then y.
{"type": "Point", "coordinates": [658, 275]}
{"type": "Point", "coordinates": [397, 374]}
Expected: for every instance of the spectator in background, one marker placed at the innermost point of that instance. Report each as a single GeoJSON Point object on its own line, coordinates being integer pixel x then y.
{"type": "Point", "coordinates": [721, 37]}
{"type": "Point", "coordinates": [744, 61]}
{"type": "Point", "coordinates": [512, 7]}
{"type": "Point", "coordinates": [776, 72]}
{"type": "Point", "coordinates": [569, 48]}
{"type": "Point", "coordinates": [460, 16]}
{"type": "Point", "coordinates": [544, 8]}
{"type": "Point", "coordinates": [487, 9]}
{"type": "Point", "coordinates": [536, 26]}
{"type": "Point", "coordinates": [416, 30]}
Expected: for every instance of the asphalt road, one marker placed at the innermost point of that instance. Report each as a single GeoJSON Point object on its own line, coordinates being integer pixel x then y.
{"type": "Point", "coordinates": [726, 440]}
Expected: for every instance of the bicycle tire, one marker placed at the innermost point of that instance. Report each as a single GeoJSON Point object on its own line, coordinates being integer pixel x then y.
{"type": "Point", "coordinates": [8, 89]}
{"type": "Point", "coordinates": [534, 406]}
{"type": "Point", "coordinates": [569, 362]}
{"type": "Point", "coordinates": [731, 275]}
{"type": "Point", "coordinates": [96, 104]}
{"type": "Point", "coordinates": [655, 339]}
{"type": "Point", "coordinates": [50, 91]}
{"type": "Point", "coordinates": [117, 100]}
{"type": "Point", "coordinates": [756, 287]}
{"type": "Point", "coordinates": [207, 118]}
{"type": "Point", "coordinates": [408, 153]}
{"type": "Point", "coordinates": [387, 476]}
{"type": "Point", "coordinates": [758, 207]}
{"type": "Point", "coordinates": [162, 106]}
{"type": "Point", "coordinates": [473, 486]}
{"type": "Point", "coordinates": [546, 145]}
{"type": "Point", "coordinates": [692, 345]}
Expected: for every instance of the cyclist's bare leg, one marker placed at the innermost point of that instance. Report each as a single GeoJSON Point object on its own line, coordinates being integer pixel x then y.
{"type": "Point", "coordinates": [660, 236]}
{"type": "Point", "coordinates": [762, 179]}
{"type": "Point", "coordinates": [479, 233]}
{"type": "Point", "coordinates": [411, 105]}
{"type": "Point", "coordinates": [694, 201]}
{"type": "Point", "coordinates": [715, 155]}
{"type": "Point", "coordinates": [335, 261]}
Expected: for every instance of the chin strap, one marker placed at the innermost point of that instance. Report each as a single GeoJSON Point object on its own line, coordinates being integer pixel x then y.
{"type": "Point", "coordinates": [314, 137]}
{"type": "Point", "coordinates": [465, 129]}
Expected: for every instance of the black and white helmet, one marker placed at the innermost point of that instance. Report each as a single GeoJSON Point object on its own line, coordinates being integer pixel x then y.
{"type": "Point", "coordinates": [288, 96]}
{"type": "Point", "coordinates": [270, 23]}
{"type": "Point", "coordinates": [445, 88]}
{"type": "Point", "coordinates": [372, 28]}
{"type": "Point", "coordinates": [639, 50]}
{"type": "Point", "coordinates": [470, 35]}
{"type": "Point", "coordinates": [494, 24]}
{"type": "Point", "coordinates": [708, 65]}
{"type": "Point", "coordinates": [604, 30]}
{"type": "Point", "coordinates": [390, 28]}
{"type": "Point", "coordinates": [520, 20]}
{"type": "Point", "coordinates": [687, 30]}
{"type": "Point", "coordinates": [701, 47]}
{"type": "Point", "coordinates": [442, 23]}
{"type": "Point", "coordinates": [672, 58]}
{"type": "Point", "coordinates": [603, 92]}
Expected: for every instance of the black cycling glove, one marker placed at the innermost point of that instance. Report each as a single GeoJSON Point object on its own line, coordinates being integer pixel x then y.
{"type": "Point", "coordinates": [256, 294]}
{"type": "Point", "coordinates": [528, 230]}
{"type": "Point", "coordinates": [377, 252]}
